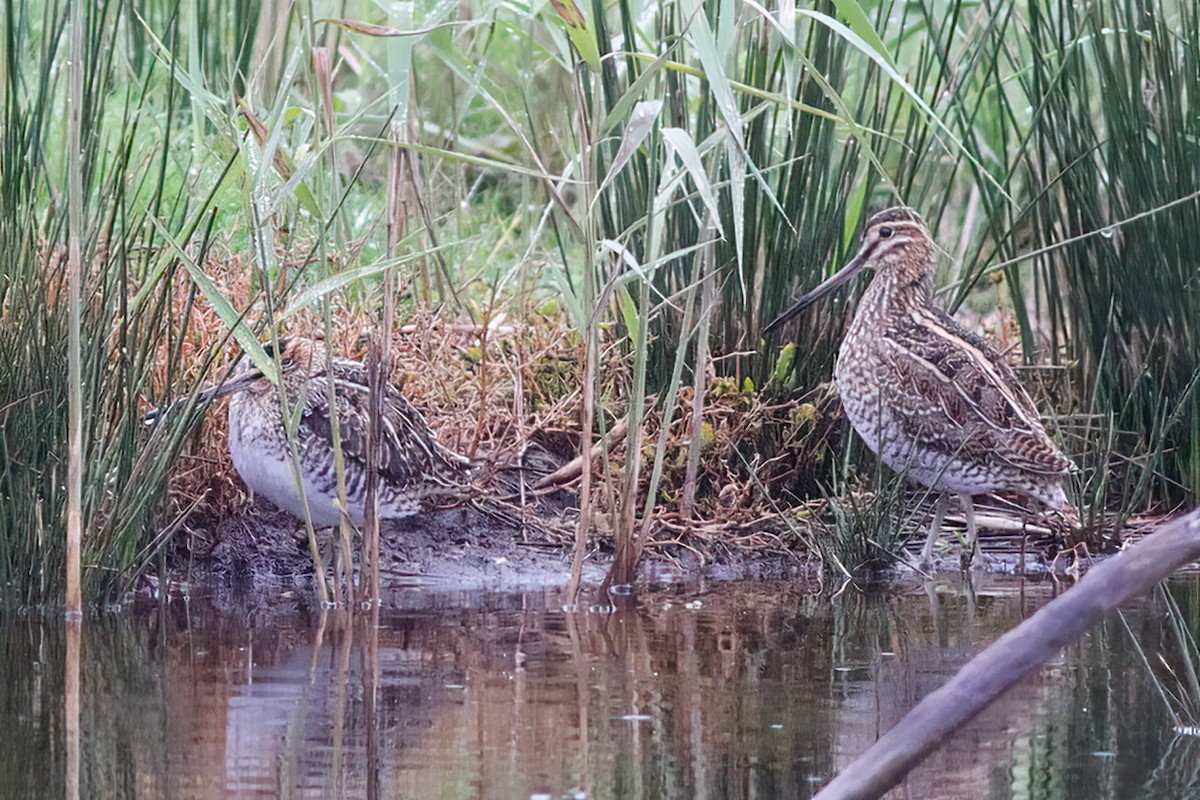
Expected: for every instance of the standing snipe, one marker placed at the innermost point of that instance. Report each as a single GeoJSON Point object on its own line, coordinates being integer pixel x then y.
{"type": "Point", "coordinates": [934, 401]}
{"type": "Point", "coordinates": [414, 467]}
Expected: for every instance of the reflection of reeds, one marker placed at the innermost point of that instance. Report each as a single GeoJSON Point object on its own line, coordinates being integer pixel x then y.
{"type": "Point", "coordinates": [72, 708]}
{"type": "Point", "coordinates": [1016, 655]}
{"type": "Point", "coordinates": [741, 689]}
{"type": "Point", "coordinates": [658, 202]}
{"type": "Point", "coordinates": [1178, 771]}
{"type": "Point", "coordinates": [1171, 659]}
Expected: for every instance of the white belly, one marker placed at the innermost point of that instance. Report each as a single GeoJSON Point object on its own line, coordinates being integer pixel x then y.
{"type": "Point", "coordinates": [264, 462]}
{"type": "Point", "coordinates": [274, 479]}
{"type": "Point", "coordinates": [264, 465]}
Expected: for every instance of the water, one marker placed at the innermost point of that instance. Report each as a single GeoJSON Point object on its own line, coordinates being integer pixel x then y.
{"type": "Point", "coordinates": [720, 690]}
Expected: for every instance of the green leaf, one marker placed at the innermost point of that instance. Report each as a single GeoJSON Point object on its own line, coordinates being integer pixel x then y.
{"type": "Point", "coordinates": [577, 28]}
{"type": "Point", "coordinates": [462, 158]}
{"type": "Point", "coordinates": [623, 106]}
{"type": "Point", "coordinates": [701, 36]}
{"type": "Point", "coordinates": [220, 303]}
{"type": "Point", "coordinates": [858, 21]}
{"type": "Point", "coordinates": [641, 122]}
{"type": "Point", "coordinates": [632, 319]}
{"type": "Point", "coordinates": [680, 142]}
{"type": "Point", "coordinates": [385, 31]}
{"type": "Point", "coordinates": [348, 277]}
{"type": "Point", "coordinates": [783, 364]}
{"type": "Point", "coordinates": [884, 62]}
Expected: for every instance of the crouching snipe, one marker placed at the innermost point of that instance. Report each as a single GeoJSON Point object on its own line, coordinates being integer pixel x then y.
{"type": "Point", "coordinates": [414, 467]}
{"type": "Point", "coordinates": [936, 402]}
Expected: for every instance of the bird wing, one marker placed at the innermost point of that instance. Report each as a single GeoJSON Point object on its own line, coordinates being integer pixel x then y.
{"type": "Point", "coordinates": [409, 453]}
{"type": "Point", "coordinates": [952, 389]}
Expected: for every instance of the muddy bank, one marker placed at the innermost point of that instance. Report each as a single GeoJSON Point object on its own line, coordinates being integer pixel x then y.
{"type": "Point", "coordinates": [463, 548]}
{"type": "Point", "coordinates": [455, 548]}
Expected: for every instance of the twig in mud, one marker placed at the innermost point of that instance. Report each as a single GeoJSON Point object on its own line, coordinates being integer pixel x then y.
{"type": "Point", "coordinates": [574, 468]}
{"type": "Point", "coordinates": [1006, 524]}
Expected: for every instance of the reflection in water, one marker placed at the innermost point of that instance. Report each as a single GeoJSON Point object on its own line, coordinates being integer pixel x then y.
{"type": "Point", "coordinates": [712, 691]}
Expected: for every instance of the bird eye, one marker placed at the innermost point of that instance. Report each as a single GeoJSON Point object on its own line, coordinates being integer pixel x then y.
{"type": "Point", "coordinates": [885, 232]}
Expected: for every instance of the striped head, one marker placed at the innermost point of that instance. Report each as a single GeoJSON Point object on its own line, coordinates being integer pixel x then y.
{"type": "Point", "coordinates": [297, 358]}
{"type": "Point", "coordinates": [894, 240]}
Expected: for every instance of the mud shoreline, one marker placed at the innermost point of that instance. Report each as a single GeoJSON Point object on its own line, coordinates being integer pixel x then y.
{"type": "Point", "coordinates": [458, 549]}
{"type": "Point", "coordinates": [265, 550]}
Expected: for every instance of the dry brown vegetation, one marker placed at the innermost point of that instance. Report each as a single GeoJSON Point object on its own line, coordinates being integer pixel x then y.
{"type": "Point", "coordinates": [492, 390]}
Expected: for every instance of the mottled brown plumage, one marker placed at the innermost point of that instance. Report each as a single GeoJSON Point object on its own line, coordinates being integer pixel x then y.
{"type": "Point", "coordinates": [414, 467]}
{"type": "Point", "coordinates": [935, 401]}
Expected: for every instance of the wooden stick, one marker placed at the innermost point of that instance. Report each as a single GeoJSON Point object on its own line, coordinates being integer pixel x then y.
{"type": "Point", "coordinates": [574, 468]}
{"type": "Point", "coordinates": [1131, 572]}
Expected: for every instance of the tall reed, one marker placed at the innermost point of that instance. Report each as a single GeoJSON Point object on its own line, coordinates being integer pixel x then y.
{"type": "Point", "coordinates": [123, 175]}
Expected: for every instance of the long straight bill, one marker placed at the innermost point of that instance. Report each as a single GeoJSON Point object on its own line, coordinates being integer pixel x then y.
{"type": "Point", "coordinates": [235, 384]}
{"type": "Point", "coordinates": [832, 282]}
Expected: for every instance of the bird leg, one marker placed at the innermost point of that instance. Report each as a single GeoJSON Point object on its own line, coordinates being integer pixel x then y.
{"type": "Point", "coordinates": [968, 504]}
{"type": "Point", "coordinates": [935, 530]}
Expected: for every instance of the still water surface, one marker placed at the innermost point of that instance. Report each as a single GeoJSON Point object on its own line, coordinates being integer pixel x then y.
{"type": "Point", "coordinates": [713, 690]}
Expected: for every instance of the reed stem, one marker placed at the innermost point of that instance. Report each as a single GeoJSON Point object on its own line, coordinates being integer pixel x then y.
{"type": "Point", "coordinates": [75, 200]}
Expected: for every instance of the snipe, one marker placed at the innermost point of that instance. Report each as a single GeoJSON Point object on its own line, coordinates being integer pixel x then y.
{"type": "Point", "coordinates": [414, 467]}
{"type": "Point", "coordinates": [936, 402]}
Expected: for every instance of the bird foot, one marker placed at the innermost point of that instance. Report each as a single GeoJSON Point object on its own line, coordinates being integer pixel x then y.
{"type": "Point", "coordinates": [978, 560]}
